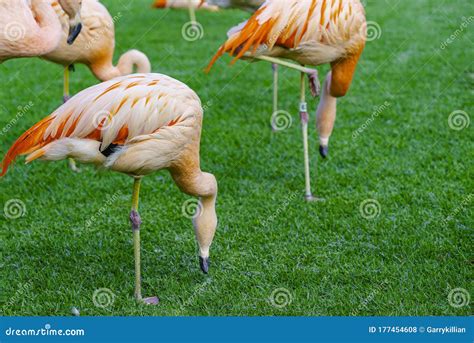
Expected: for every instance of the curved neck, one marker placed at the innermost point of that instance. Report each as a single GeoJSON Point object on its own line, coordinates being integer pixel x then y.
{"type": "Point", "coordinates": [127, 62]}
{"type": "Point", "coordinates": [131, 59]}
{"type": "Point", "coordinates": [48, 31]}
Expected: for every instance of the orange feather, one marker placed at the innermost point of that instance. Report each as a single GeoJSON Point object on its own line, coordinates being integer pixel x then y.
{"type": "Point", "coordinates": [29, 141]}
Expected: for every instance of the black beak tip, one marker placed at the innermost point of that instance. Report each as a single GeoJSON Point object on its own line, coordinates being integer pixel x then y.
{"type": "Point", "coordinates": [73, 33]}
{"type": "Point", "coordinates": [323, 151]}
{"type": "Point", "coordinates": [204, 263]}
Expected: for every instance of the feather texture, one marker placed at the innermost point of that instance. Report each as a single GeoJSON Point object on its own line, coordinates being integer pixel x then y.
{"type": "Point", "coordinates": [152, 110]}
{"type": "Point", "coordinates": [310, 32]}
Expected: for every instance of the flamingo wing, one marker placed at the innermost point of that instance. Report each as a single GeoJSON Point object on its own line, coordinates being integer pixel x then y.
{"type": "Point", "coordinates": [289, 23]}
{"type": "Point", "coordinates": [118, 111]}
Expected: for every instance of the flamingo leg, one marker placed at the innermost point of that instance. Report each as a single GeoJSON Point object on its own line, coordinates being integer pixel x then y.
{"type": "Point", "coordinates": [192, 12]}
{"type": "Point", "coordinates": [315, 89]}
{"type": "Point", "coordinates": [275, 89]}
{"type": "Point", "coordinates": [136, 222]}
{"type": "Point", "coordinates": [286, 64]}
{"type": "Point", "coordinates": [66, 97]}
{"type": "Point", "coordinates": [304, 127]}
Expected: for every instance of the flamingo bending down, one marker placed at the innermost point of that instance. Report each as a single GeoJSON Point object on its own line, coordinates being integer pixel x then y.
{"type": "Point", "coordinates": [94, 47]}
{"type": "Point", "coordinates": [136, 125]}
{"type": "Point", "coordinates": [311, 32]}
{"type": "Point", "coordinates": [33, 30]}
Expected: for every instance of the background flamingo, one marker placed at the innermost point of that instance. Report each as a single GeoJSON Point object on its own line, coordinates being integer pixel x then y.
{"type": "Point", "coordinates": [191, 5]}
{"type": "Point", "coordinates": [247, 5]}
{"type": "Point", "coordinates": [136, 125]}
{"type": "Point", "coordinates": [33, 30]}
{"type": "Point", "coordinates": [308, 32]}
{"type": "Point", "coordinates": [94, 47]}
{"type": "Point", "coordinates": [185, 4]}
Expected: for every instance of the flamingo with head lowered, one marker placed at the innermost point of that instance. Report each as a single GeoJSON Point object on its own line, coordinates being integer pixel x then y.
{"type": "Point", "coordinates": [32, 28]}
{"type": "Point", "coordinates": [309, 32]}
{"type": "Point", "coordinates": [136, 125]}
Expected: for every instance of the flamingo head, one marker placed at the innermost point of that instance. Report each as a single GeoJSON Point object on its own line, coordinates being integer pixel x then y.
{"type": "Point", "coordinates": [73, 10]}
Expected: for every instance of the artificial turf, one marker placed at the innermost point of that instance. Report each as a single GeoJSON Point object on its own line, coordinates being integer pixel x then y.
{"type": "Point", "coordinates": [321, 258]}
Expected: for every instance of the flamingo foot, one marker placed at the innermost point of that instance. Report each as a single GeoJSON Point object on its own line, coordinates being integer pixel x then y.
{"type": "Point", "coordinates": [151, 301]}
{"type": "Point", "coordinates": [314, 83]}
{"type": "Point", "coordinates": [311, 198]}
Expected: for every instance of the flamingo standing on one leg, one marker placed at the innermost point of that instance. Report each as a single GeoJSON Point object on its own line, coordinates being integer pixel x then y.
{"type": "Point", "coordinates": [34, 30]}
{"type": "Point", "coordinates": [94, 47]}
{"type": "Point", "coordinates": [311, 32]}
{"type": "Point", "coordinates": [136, 125]}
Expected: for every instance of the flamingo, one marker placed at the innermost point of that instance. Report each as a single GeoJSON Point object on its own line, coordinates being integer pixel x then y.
{"type": "Point", "coordinates": [135, 124]}
{"type": "Point", "coordinates": [33, 30]}
{"type": "Point", "coordinates": [186, 4]}
{"type": "Point", "coordinates": [191, 5]}
{"type": "Point", "coordinates": [247, 5]}
{"type": "Point", "coordinates": [310, 32]}
{"type": "Point", "coordinates": [94, 47]}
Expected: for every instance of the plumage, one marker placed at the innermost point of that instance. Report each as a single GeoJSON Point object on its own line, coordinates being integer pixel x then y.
{"type": "Point", "coordinates": [141, 111]}
{"type": "Point", "coordinates": [309, 32]}
{"type": "Point", "coordinates": [247, 5]}
{"type": "Point", "coordinates": [202, 4]}
{"type": "Point", "coordinates": [31, 28]}
{"type": "Point", "coordinates": [134, 124]}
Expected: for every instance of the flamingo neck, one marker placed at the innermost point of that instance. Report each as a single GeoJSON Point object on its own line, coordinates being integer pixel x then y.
{"type": "Point", "coordinates": [49, 34]}
{"type": "Point", "coordinates": [131, 59]}
{"type": "Point", "coordinates": [125, 66]}
{"type": "Point", "coordinates": [205, 222]}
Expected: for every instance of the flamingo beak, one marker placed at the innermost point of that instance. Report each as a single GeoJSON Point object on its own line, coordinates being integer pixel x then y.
{"type": "Point", "coordinates": [75, 27]}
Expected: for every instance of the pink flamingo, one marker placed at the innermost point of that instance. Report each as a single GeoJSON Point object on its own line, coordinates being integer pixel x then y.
{"type": "Point", "coordinates": [311, 32]}
{"type": "Point", "coordinates": [135, 124]}
{"type": "Point", "coordinates": [34, 30]}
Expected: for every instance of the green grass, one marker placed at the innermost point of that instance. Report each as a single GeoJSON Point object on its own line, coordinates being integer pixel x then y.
{"type": "Point", "coordinates": [329, 258]}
